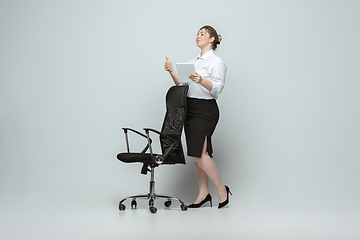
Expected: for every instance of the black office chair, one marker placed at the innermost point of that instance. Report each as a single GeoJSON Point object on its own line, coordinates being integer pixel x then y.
{"type": "Point", "coordinates": [170, 142]}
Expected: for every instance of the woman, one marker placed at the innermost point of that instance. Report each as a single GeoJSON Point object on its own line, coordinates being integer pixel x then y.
{"type": "Point", "coordinates": [203, 114]}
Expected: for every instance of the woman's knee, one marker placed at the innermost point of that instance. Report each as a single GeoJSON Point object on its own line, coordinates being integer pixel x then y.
{"type": "Point", "coordinates": [203, 159]}
{"type": "Point", "coordinates": [196, 160]}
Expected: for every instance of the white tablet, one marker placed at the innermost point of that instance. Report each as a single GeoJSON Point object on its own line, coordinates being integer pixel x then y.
{"type": "Point", "coordinates": [184, 70]}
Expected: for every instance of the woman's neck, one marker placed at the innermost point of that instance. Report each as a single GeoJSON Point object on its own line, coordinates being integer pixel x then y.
{"type": "Point", "coordinates": [205, 50]}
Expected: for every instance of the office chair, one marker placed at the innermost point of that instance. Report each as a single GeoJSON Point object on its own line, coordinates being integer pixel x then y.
{"type": "Point", "coordinates": [171, 147]}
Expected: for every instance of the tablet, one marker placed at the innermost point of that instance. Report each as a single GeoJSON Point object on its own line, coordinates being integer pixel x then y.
{"type": "Point", "coordinates": [184, 70]}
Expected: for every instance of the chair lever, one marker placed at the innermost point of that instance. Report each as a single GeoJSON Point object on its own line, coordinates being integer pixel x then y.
{"type": "Point", "coordinates": [144, 169]}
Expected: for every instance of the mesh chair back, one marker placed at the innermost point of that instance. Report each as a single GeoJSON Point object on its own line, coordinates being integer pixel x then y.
{"type": "Point", "coordinates": [174, 122]}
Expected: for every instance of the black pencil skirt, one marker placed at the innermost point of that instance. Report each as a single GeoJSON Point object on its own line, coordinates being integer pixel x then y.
{"type": "Point", "coordinates": [201, 119]}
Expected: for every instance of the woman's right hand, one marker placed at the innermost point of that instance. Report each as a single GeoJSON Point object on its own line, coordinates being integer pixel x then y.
{"type": "Point", "coordinates": [168, 65]}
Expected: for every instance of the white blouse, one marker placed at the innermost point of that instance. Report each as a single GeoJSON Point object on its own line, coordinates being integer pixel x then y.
{"type": "Point", "coordinates": [212, 68]}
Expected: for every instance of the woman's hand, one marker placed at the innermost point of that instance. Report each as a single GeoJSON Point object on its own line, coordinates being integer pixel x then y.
{"type": "Point", "coordinates": [168, 65]}
{"type": "Point", "coordinates": [196, 78]}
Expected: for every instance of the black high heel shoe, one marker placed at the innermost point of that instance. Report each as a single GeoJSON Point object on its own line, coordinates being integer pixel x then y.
{"type": "Point", "coordinates": [197, 205]}
{"type": "Point", "coordinates": [224, 203]}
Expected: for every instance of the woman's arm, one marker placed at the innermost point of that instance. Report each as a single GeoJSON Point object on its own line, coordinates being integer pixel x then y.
{"type": "Point", "coordinates": [196, 78]}
{"type": "Point", "coordinates": [217, 81]}
{"type": "Point", "coordinates": [169, 67]}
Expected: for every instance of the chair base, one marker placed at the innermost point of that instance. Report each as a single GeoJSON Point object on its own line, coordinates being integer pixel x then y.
{"type": "Point", "coordinates": [151, 196]}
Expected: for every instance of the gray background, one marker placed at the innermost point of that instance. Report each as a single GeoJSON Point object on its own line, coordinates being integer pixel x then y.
{"type": "Point", "coordinates": [73, 73]}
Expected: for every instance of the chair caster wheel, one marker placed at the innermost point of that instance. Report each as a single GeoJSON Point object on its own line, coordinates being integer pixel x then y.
{"type": "Point", "coordinates": [167, 203]}
{"type": "Point", "coordinates": [133, 204]}
{"type": "Point", "coordinates": [184, 207]}
{"type": "Point", "coordinates": [153, 209]}
{"type": "Point", "coordinates": [121, 207]}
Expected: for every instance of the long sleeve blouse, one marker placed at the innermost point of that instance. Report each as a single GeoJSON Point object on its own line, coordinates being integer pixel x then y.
{"type": "Point", "coordinates": [212, 68]}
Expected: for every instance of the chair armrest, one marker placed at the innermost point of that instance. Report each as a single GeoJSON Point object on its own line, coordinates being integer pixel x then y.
{"type": "Point", "coordinates": [159, 159]}
{"type": "Point", "coordinates": [161, 134]}
{"type": "Point", "coordinates": [139, 133]}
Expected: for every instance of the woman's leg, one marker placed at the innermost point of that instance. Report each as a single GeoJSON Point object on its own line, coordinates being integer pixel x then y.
{"type": "Point", "coordinates": [203, 181]}
{"type": "Point", "coordinates": [205, 169]}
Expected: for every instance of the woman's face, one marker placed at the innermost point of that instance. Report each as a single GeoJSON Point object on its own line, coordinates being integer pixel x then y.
{"type": "Point", "coordinates": [203, 38]}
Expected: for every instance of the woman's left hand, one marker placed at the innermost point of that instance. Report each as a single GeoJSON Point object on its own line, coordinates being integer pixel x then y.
{"type": "Point", "coordinates": [196, 78]}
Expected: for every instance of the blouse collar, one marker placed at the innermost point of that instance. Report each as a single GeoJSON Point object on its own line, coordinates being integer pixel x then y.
{"type": "Point", "coordinates": [206, 55]}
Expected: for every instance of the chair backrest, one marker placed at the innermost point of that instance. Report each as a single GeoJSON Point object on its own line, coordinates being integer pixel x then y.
{"type": "Point", "coordinates": [174, 122]}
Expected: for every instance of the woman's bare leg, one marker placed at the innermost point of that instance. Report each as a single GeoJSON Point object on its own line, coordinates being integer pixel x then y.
{"type": "Point", "coordinates": [203, 181]}
{"type": "Point", "coordinates": [205, 169]}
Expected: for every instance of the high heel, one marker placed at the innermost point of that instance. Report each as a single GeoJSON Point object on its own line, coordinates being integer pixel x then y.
{"type": "Point", "coordinates": [224, 203]}
{"type": "Point", "coordinates": [197, 205]}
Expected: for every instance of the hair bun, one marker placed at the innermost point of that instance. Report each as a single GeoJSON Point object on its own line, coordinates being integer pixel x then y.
{"type": "Point", "coordinates": [219, 38]}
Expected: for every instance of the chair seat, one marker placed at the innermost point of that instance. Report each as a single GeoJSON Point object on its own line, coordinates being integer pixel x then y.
{"type": "Point", "coordinates": [146, 158]}
{"type": "Point", "coordinates": [134, 157]}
